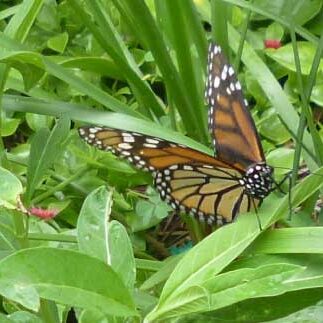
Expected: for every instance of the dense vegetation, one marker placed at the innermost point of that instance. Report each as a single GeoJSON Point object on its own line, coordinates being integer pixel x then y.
{"type": "Point", "coordinates": [83, 233]}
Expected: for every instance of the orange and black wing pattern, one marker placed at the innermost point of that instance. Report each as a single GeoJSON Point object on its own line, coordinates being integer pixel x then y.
{"type": "Point", "coordinates": [190, 181]}
{"type": "Point", "coordinates": [232, 128]}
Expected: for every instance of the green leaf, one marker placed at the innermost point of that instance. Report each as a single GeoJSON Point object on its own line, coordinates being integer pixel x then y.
{"type": "Point", "coordinates": [90, 316]}
{"type": "Point", "coordinates": [272, 128]}
{"type": "Point", "coordinates": [23, 316]}
{"type": "Point", "coordinates": [220, 248]}
{"type": "Point", "coordinates": [92, 224]}
{"type": "Point", "coordinates": [289, 240]}
{"type": "Point", "coordinates": [149, 213]}
{"type": "Point", "coordinates": [64, 276]}
{"type": "Point", "coordinates": [232, 287]}
{"type": "Point", "coordinates": [15, 54]}
{"type": "Point", "coordinates": [38, 121]}
{"type": "Point", "coordinates": [274, 31]}
{"type": "Point", "coordinates": [301, 11]}
{"type": "Point", "coordinates": [121, 256]}
{"type": "Point", "coordinates": [265, 309]}
{"type": "Point", "coordinates": [208, 258]}
{"type": "Point", "coordinates": [163, 273]}
{"type": "Point", "coordinates": [281, 159]}
{"type": "Point", "coordinates": [285, 57]}
{"type": "Point", "coordinates": [310, 277]}
{"type": "Point", "coordinates": [20, 24]}
{"type": "Point", "coordinates": [105, 240]}
{"type": "Point", "coordinates": [10, 189]}
{"type": "Point", "coordinates": [109, 119]}
{"type": "Point", "coordinates": [45, 148]}
{"type": "Point", "coordinates": [9, 126]}
{"type": "Point", "coordinates": [9, 241]}
{"type": "Point", "coordinates": [58, 42]}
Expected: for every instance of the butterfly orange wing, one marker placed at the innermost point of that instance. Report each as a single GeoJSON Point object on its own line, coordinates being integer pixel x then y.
{"type": "Point", "coordinates": [232, 128]}
{"type": "Point", "coordinates": [187, 179]}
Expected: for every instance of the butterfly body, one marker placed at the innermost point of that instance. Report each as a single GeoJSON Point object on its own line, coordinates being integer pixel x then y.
{"type": "Point", "coordinates": [212, 189]}
{"type": "Point", "coordinates": [257, 180]}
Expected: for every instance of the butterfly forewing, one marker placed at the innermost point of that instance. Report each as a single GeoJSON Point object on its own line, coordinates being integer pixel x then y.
{"type": "Point", "coordinates": [188, 180]}
{"type": "Point", "coordinates": [232, 128]}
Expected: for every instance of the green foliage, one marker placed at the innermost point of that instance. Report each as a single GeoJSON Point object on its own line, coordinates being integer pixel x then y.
{"type": "Point", "coordinates": [80, 228]}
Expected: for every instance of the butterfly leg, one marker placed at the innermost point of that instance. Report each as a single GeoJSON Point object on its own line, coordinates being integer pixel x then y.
{"type": "Point", "coordinates": [257, 215]}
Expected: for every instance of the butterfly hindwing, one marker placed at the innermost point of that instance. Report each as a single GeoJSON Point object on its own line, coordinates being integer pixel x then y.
{"type": "Point", "coordinates": [187, 179]}
{"type": "Point", "coordinates": [211, 194]}
{"type": "Point", "coordinates": [232, 128]}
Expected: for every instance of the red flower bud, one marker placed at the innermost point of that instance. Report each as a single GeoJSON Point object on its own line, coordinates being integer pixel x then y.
{"type": "Point", "coordinates": [272, 43]}
{"type": "Point", "coordinates": [42, 213]}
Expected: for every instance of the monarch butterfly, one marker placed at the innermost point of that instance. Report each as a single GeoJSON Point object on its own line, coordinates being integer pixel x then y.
{"type": "Point", "coordinates": [213, 189]}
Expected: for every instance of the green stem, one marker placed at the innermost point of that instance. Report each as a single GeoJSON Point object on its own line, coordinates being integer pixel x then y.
{"type": "Point", "coordinates": [59, 187]}
{"type": "Point", "coordinates": [21, 229]}
{"type": "Point", "coordinates": [52, 237]}
{"type": "Point", "coordinates": [306, 116]}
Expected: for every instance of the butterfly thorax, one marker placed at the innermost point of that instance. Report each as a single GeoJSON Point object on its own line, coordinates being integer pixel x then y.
{"type": "Point", "coordinates": [257, 180]}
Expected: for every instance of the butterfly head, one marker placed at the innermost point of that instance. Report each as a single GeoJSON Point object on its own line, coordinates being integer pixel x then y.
{"type": "Point", "coordinates": [258, 180]}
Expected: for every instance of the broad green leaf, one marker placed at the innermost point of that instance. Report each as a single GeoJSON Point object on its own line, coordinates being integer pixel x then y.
{"type": "Point", "coordinates": [38, 121]}
{"type": "Point", "coordinates": [281, 157]}
{"type": "Point", "coordinates": [5, 319]}
{"type": "Point", "coordinates": [282, 20]}
{"type": "Point", "coordinates": [210, 256]}
{"type": "Point", "coordinates": [10, 189]}
{"type": "Point", "coordinates": [216, 251]}
{"type": "Point", "coordinates": [149, 213]}
{"type": "Point", "coordinates": [274, 31]}
{"type": "Point", "coordinates": [289, 240]}
{"type": "Point", "coordinates": [58, 42]}
{"type": "Point", "coordinates": [310, 277]}
{"type": "Point", "coordinates": [45, 147]}
{"type": "Point", "coordinates": [285, 57]}
{"type": "Point", "coordinates": [23, 316]}
{"type": "Point", "coordinates": [272, 128]}
{"type": "Point", "coordinates": [63, 276]}
{"type": "Point", "coordinates": [300, 10]}
{"type": "Point", "coordinates": [163, 273]}
{"type": "Point", "coordinates": [9, 126]}
{"type": "Point", "coordinates": [8, 237]}
{"type": "Point", "coordinates": [317, 94]}
{"type": "Point", "coordinates": [266, 309]}
{"type": "Point", "coordinates": [121, 256]}
{"type": "Point", "coordinates": [90, 316]}
{"type": "Point", "coordinates": [231, 287]}
{"type": "Point", "coordinates": [92, 224]}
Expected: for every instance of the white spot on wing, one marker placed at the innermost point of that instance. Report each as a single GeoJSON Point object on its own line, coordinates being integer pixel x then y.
{"type": "Point", "coordinates": [124, 145]}
{"type": "Point", "coordinates": [216, 82]}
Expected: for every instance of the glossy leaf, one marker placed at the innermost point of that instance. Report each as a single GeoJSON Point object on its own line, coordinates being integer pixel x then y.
{"type": "Point", "coordinates": [10, 189]}
{"type": "Point", "coordinates": [92, 224]}
{"type": "Point", "coordinates": [45, 148]}
{"type": "Point", "coordinates": [64, 276]}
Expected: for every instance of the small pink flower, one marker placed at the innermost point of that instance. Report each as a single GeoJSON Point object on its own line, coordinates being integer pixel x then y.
{"type": "Point", "coordinates": [42, 213]}
{"type": "Point", "coordinates": [272, 43]}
